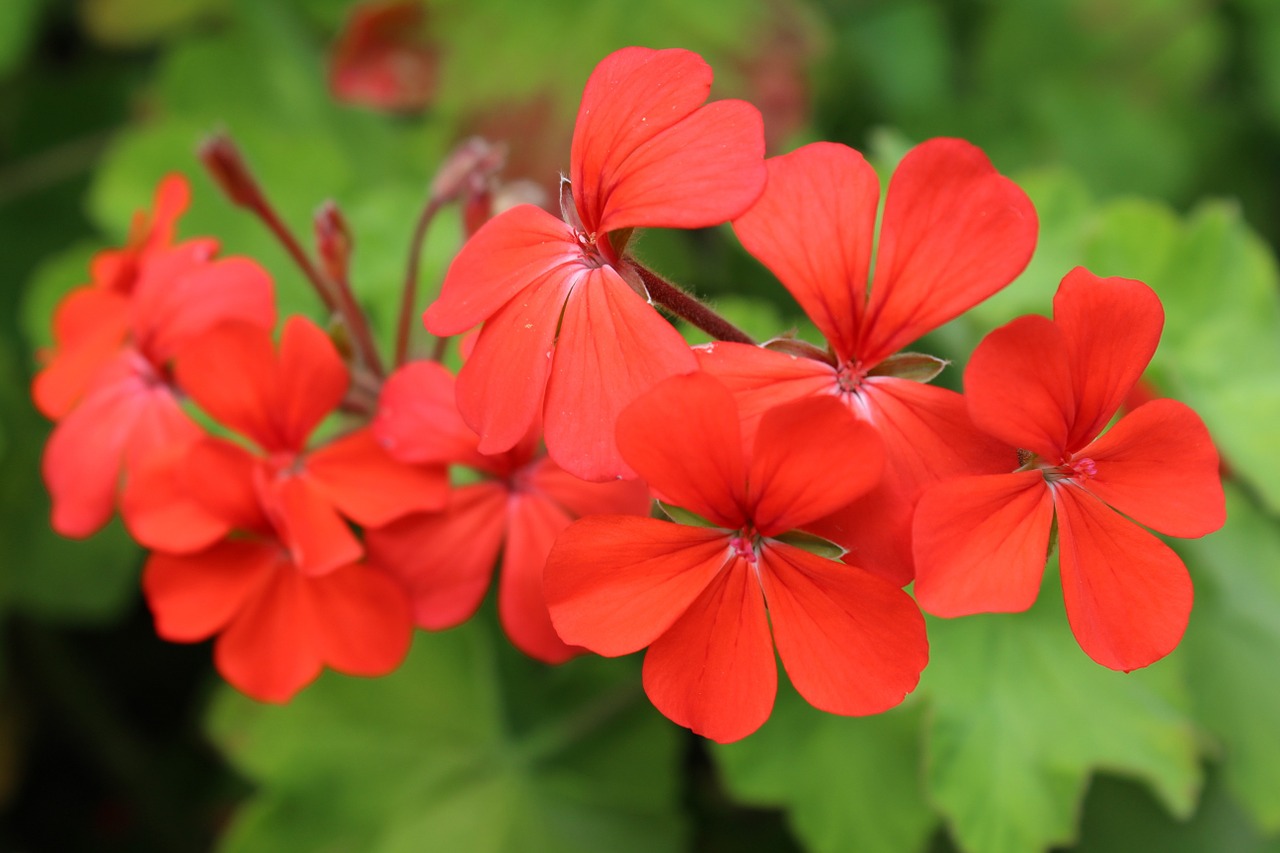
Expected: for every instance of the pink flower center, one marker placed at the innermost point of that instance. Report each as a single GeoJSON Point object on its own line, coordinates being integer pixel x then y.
{"type": "Point", "coordinates": [849, 377]}
{"type": "Point", "coordinates": [744, 545]}
{"type": "Point", "coordinates": [1080, 469]}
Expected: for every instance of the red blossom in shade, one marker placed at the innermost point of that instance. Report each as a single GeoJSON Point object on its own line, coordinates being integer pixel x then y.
{"type": "Point", "coordinates": [1049, 388]}
{"type": "Point", "coordinates": [569, 337]}
{"type": "Point", "coordinates": [110, 379]}
{"type": "Point", "coordinates": [276, 624]}
{"type": "Point", "coordinates": [277, 400]}
{"type": "Point", "coordinates": [525, 500]}
{"type": "Point", "coordinates": [954, 232]}
{"type": "Point", "coordinates": [703, 599]}
{"type": "Point", "coordinates": [383, 60]}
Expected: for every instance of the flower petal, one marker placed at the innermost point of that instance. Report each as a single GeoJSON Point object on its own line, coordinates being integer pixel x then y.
{"type": "Point", "coordinates": [162, 512]}
{"type": "Point", "coordinates": [534, 523]}
{"type": "Point", "coordinates": [511, 252]}
{"type": "Point", "coordinates": [579, 498]}
{"type": "Point", "coordinates": [810, 458]}
{"type": "Point", "coordinates": [241, 350]}
{"type": "Point", "coordinates": [221, 476]}
{"type": "Point", "coordinates": [502, 383]}
{"type": "Point", "coordinates": [194, 596]}
{"type": "Point", "coordinates": [614, 583]}
{"type": "Point", "coordinates": [813, 228]}
{"type": "Point", "coordinates": [309, 525]}
{"type": "Point", "coordinates": [90, 327]}
{"type": "Point", "coordinates": [713, 671]}
{"type": "Point", "coordinates": [1111, 327]}
{"type": "Point", "coordinates": [271, 649]}
{"type": "Point", "coordinates": [700, 467]}
{"type": "Point", "coordinates": [762, 378]}
{"type": "Point", "coordinates": [981, 543]}
{"type": "Point", "coordinates": [954, 232]}
{"type": "Point", "coordinates": [368, 486]}
{"type": "Point", "coordinates": [445, 559]}
{"type": "Point", "coordinates": [363, 624]}
{"type": "Point", "coordinates": [313, 379]}
{"type": "Point", "coordinates": [852, 643]}
{"type": "Point", "coordinates": [1158, 466]}
{"type": "Point", "coordinates": [613, 347]}
{"type": "Point", "coordinates": [1128, 596]}
{"type": "Point", "coordinates": [1018, 386]}
{"type": "Point", "coordinates": [417, 419]}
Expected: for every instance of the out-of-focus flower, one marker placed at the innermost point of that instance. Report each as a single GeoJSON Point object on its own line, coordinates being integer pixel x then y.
{"type": "Point", "coordinates": [383, 58]}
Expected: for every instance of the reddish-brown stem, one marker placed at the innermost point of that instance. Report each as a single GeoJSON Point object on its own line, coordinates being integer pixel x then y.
{"type": "Point", "coordinates": [688, 308]}
{"type": "Point", "coordinates": [409, 293]}
{"type": "Point", "coordinates": [333, 239]}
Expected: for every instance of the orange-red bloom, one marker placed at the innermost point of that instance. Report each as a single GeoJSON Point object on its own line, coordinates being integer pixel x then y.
{"type": "Point", "coordinates": [1049, 389]}
{"type": "Point", "coordinates": [524, 501]}
{"type": "Point", "coordinates": [382, 58]}
{"type": "Point", "coordinates": [954, 232]}
{"type": "Point", "coordinates": [569, 338]}
{"type": "Point", "coordinates": [703, 598]}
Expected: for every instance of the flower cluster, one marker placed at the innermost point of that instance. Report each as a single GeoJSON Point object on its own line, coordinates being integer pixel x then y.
{"type": "Point", "coordinates": [708, 503]}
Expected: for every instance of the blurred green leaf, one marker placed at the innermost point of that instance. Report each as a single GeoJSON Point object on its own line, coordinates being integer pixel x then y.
{"type": "Point", "coordinates": [129, 23]}
{"type": "Point", "coordinates": [846, 783]}
{"type": "Point", "coordinates": [1232, 646]}
{"type": "Point", "coordinates": [18, 20]}
{"type": "Point", "coordinates": [1020, 718]}
{"type": "Point", "coordinates": [454, 752]}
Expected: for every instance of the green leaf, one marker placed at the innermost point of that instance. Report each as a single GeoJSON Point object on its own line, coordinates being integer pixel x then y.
{"type": "Point", "coordinates": [1021, 718]}
{"type": "Point", "coordinates": [18, 19]}
{"type": "Point", "coordinates": [847, 783]}
{"type": "Point", "coordinates": [1232, 650]}
{"type": "Point", "coordinates": [458, 750]}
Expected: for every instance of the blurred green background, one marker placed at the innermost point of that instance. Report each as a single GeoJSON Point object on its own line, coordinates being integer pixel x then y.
{"type": "Point", "coordinates": [1147, 133]}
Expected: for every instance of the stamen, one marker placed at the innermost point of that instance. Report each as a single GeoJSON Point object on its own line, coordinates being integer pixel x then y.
{"type": "Point", "coordinates": [743, 546]}
{"type": "Point", "coordinates": [849, 377]}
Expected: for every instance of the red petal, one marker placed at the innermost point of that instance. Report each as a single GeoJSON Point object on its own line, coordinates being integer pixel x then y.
{"type": "Point", "coordinates": [382, 59]}
{"type": "Point", "coordinates": [700, 172]}
{"type": "Point", "coordinates": [1111, 327]}
{"type": "Point", "coordinates": [162, 512]}
{"type": "Point", "coordinates": [927, 437]}
{"type": "Point", "coordinates": [271, 650]}
{"type": "Point", "coordinates": [954, 232]}
{"type": "Point", "coordinates": [763, 378]}
{"type": "Point", "coordinates": [619, 497]}
{"type": "Point", "coordinates": [851, 642]}
{"type": "Point", "coordinates": [713, 671]}
{"type": "Point", "coordinates": [513, 251]}
{"type": "Point", "coordinates": [445, 559]}
{"type": "Point", "coordinates": [534, 525]}
{"type": "Point", "coordinates": [501, 386]}
{"type": "Point", "coordinates": [700, 467]}
{"type": "Point", "coordinates": [368, 486]}
{"type": "Point", "coordinates": [172, 198]}
{"type": "Point", "coordinates": [1018, 384]}
{"type": "Point", "coordinates": [221, 475]}
{"type": "Point", "coordinates": [612, 348]}
{"type": "Point", "coordinates": [173, 306]}
{"type": "Point", "coordinates": [981, 543]}
{"type": "Point", "coordinates": [362, 620]}
{"type": "Point", "coordinates": [1128, 595]}
{"type": "Point", "coordinates": [810, 458]}
{"type": "Point", "coordinates": [309, 525]}
{"type": "Point", "coordinates": [90, 327]}
{"type": "Point", "coordinates": [1159, 467]}
{"type": "Point", "coordinates": [312, 380]}
{"type": "Point", "coordinates": [418, 420]}
{"type": "Point", "coordinates": [230, 371]}
{"type": "Point", "coordinates": [813, 228]}
{"type": "Point", "coordinates": [194, 596]}
{"type": "Point", "coordinates": [614, 583]}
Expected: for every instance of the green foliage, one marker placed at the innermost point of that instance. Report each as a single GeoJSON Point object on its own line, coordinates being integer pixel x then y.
{"type": "Point", "coordinates": [459, 749]}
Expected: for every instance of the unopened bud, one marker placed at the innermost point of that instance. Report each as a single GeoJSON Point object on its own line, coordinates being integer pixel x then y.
{"type": "Point", "coordinates": [223, 161]}
{"type": "Point", "coordinates": [333, 241]}
{"type": "Point", "coordinates": [474, 157]}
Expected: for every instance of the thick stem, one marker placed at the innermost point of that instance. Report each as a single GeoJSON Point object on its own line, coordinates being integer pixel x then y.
{"type": "Point", "coordinates": [687, 307]}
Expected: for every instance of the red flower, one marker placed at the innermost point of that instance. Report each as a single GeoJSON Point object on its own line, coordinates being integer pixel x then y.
{"type": "Point", "coordinates": [1050, 388]}
{"type": "Point", "coordinates": [569, 338]}
{"type": "Point", "coordinates": [703, 598]}
{"type": "Point", "coordinates": [276, 623]}
{"type": "Point", "coordinates": [446, 559]}
{"type": "Point", "coordinates": [109, 380]}
{"type": "Point", "coordinates": [277, 400]}
{"type": "Point", "coordinates": [954, 231]}
{"type": "Point", "coordinates": [382, 58]}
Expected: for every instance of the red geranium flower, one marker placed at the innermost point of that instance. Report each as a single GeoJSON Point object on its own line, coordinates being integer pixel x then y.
{"type": "Point", "coordinates": [703, 599]}
{"type": "Point", "coordinates": [565, 319]}
{"type": "Point", "coordinates": [276, 623]}
{"type": "Point", "coordinates": [277, 400]}
{"type": "Point", "coordinates": [110, 379]}
{"type": "Point", "coordinates": [383, 60]}
{"type": "Point", "coordinates": [524, 501]}
{"type": "Point", "coordinates": [1049, 388]}
{"type": "Point", "coordinates": [954, 231]}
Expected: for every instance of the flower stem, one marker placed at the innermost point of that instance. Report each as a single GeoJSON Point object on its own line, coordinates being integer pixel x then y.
{"type": "Point", "coordinates": [687, 307]}
{"type": "Point", "coordinates": [409, 293]}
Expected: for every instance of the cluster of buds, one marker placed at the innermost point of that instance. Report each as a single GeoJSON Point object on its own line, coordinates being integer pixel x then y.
{"type": "Point", "coordinates": [709, 503]}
